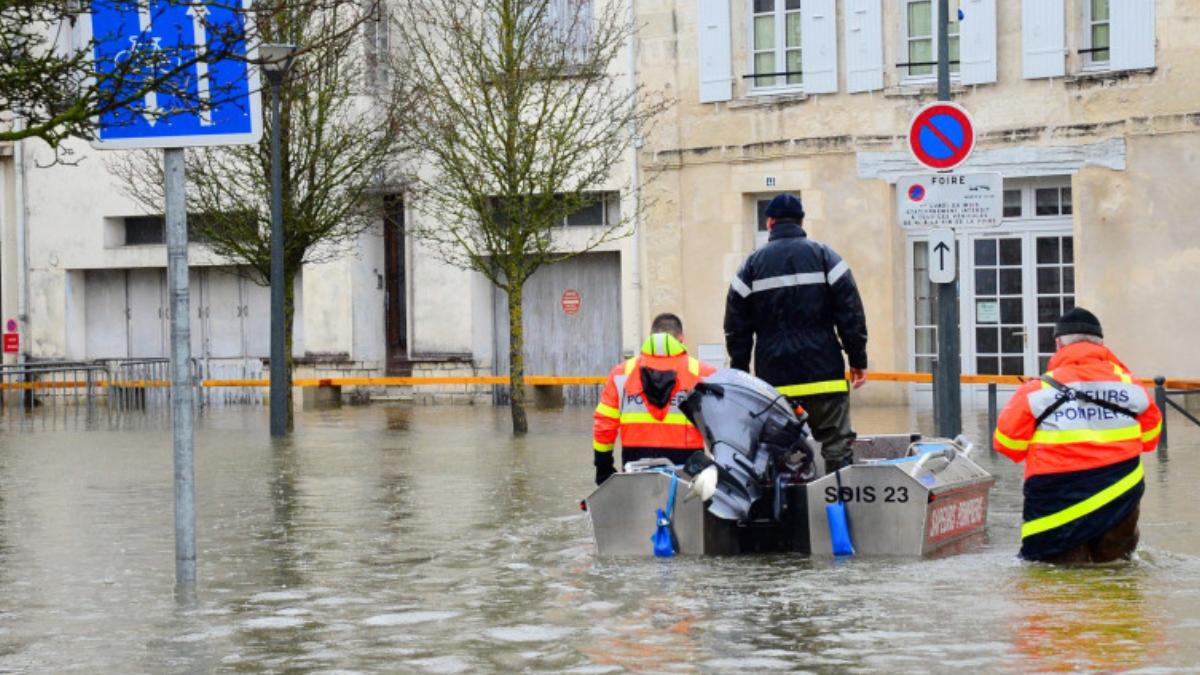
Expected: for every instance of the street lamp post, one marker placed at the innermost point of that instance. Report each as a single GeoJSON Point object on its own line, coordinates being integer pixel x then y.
{"type": "Point", "coordinates": [276, 61]}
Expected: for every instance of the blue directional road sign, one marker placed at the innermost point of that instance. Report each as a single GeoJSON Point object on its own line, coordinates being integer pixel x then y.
{"type": "Point", "coordinates": [203, 101]}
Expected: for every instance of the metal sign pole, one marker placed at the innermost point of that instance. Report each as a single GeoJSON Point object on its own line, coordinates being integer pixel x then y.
{"type": "Point", "coordinates": [181, 376]}
{"type": "Point", "coordinates": [279, 375]}
{"type": "Point", "coordinates": [947, 404]}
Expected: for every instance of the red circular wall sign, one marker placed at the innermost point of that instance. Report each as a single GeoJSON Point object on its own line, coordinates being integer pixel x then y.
{"type": "Point", "coordinates": [941, 135]}
{"type": "Point", "coordinates": [571, 301]}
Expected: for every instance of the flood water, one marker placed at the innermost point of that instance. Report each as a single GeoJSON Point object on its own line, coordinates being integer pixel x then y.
{"type": "Point", "coordinates": [427, 539]}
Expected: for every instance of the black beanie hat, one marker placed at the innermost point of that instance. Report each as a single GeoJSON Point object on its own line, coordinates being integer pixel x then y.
{"type": "Point", "coordinates": [1078, 321]}
{"type": "Point", "coordinates": [785, 206]}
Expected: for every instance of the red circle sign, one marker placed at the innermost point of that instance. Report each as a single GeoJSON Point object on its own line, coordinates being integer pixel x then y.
{"type": "Point", "coordinates": [571, 302]}
{"type": "Point", "coordinates": [941, 135]}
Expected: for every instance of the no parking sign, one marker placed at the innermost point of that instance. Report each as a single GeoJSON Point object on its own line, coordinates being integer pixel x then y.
{"type": "Point", "coordinates": [941, 135]}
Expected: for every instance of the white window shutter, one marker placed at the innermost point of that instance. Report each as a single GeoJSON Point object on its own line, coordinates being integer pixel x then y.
{"type": "Point", "coordinates": [1043, 39]}
{"type": "Point", "coordinates": [977, 42]}
{"type": "Point", "coordinates": [1131, 34]}
{"type": "Point", "coordinates": [864, 45]}
{"type": "Point", "coordinates": [716, 66]}
{"type": "Point", "coordinates": [818, 40]}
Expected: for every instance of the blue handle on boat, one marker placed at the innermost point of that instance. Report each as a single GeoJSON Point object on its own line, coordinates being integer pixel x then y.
{"type": "Point", "coordinates": [839, 529]}
{"type": "Point", "coordinates": [664, 545]}
{"type": "Point", "coordinates": [839, 524]}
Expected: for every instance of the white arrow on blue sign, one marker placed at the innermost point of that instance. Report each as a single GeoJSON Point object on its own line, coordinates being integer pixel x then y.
{"type": "Point", "coordinates": [209, 102]}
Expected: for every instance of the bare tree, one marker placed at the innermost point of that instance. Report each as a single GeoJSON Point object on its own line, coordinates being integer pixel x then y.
{"type": "Point", "coordinates": [60, 72]}
{"type": "Point", "coordinates": [523, 116]}
{"type": "Point", "coordinates": [338, 137]}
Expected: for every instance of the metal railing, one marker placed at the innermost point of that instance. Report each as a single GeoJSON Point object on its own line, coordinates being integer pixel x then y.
{"type": "Point", "coordinates": [1162, 397]}
{"type": "Point", "coordinates": [51, 384]}
{"type": "Point", "coordinates": [211, 377]}
{"type": "Point", "coordinates": [138, 384]}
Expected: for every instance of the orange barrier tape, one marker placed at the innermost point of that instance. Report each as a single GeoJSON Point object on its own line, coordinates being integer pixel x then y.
{"type": "Point", "coordinates": [48, 385]}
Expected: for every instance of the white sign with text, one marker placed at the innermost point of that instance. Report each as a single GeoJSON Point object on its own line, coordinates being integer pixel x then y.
{"type": "Point", "coordinates": [959, 201]}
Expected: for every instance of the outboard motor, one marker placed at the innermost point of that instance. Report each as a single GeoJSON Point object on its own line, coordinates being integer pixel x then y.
{"type": "Point", "coordinates": [755, 438]}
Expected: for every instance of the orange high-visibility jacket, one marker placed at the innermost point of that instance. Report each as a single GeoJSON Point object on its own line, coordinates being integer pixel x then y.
{"type": "Point", "coordinates": [1078, 435]}
{"type": "Point", "coordinates": [647, 430]}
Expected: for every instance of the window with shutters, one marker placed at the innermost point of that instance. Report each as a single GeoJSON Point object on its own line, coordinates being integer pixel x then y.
{"type": "Point", "coordinates": [1096, 34]}
{"type": "Point", "coordinates": [567, 26]}
{"type": "Point", "coordinates": [1116, 35]}
{"type": "Point", "coordinates": [921, 43]}
{"type": "Point", "coordinates": [775, 49]}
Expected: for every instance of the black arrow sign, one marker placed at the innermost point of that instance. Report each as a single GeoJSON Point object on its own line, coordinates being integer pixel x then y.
{"type": "Point", "coordinates": [942, 249]}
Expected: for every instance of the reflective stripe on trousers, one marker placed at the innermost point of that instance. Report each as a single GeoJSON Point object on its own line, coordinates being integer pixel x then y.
{"type": "Point", "coordinates": [1083, 508]}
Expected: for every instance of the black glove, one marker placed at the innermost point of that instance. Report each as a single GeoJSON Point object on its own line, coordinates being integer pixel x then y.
{"type": "Point", "coordinates": [604, 465]}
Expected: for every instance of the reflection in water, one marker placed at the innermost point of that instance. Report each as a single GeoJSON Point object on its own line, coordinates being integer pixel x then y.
{"type": "Point", "coordinates": [281, 535]}
{"type": "Point", "coordinates": [397, 417]}
{"type": "Point", "coordinates": [657, 635]}
{"type": "Point", "coordinates": [1086, 618]}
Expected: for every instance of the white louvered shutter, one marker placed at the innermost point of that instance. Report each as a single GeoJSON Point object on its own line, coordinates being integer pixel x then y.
{"type": "Point", "coordinates": [818, 40]}
{"type": "Point", "coordinates": [864, 45]}
{"type": "Point", "coordinates": [1043, 39]}
{"type": "Point", "coordinates": [716, 67]}
{"type": "Point", "coordinates": [1131, 34]}
{"type": "Point", "coordinates": [977, 42]}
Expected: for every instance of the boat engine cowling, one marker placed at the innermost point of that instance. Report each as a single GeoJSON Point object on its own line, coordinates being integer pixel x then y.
{"type": "Point", "coordinates": [754, 438]}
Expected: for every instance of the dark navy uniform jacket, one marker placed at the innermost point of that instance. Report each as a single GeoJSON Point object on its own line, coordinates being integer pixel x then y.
{"type": "Point", "coordinates": [794, 303]}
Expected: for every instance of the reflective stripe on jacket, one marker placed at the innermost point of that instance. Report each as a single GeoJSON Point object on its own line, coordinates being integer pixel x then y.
{"type": "Point", "coordinates": [1078, 435]}
{"type": "Point", "coordinates": [795, 305]}
{"type": "Point", "coordinates": [645, 429]}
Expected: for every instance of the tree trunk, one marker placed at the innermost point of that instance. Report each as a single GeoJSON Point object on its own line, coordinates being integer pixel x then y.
{"type": "Point", "coordinates": [289, 313]}
{"type": "Point", "coordinates": [516, 358]}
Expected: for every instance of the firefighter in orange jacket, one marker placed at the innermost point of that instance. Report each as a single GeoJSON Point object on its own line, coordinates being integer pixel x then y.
{"type": "Point", "coordinates": [1081, 430]}
{"type": "Point", "coordinates": [640, 401]}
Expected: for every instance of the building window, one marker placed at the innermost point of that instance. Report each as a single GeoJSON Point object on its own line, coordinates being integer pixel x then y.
{"type": "Point", "coordinates": [1012, 204]}
{"type": "Point", "coordinates": [999, 316]}
{"type": "Point", "coordinates": [1097, 25]}
{"type": "Point", "coordinates": [1055, 257]}
{"type": "Point", "coordinates": [924, 323]}
{"type": "Point", "coordinates": [377, 47]}
{"type": "Point", "coordinates": [151, 230]}
{"type": "Point", "coordinates": [601, 210]}
{"type": "Point", "coordinates": [920, 20]}
{"type": "Point", "coordinates": [570, 24]}
{"type": "Point", "coordinates": [775, 51]}
{"type": "Point", "coordinates": [1052, 201]}
{"type": "Point", "coordinates": [761, 207]}
{"type": "Point", "coordinates": [143, 230]}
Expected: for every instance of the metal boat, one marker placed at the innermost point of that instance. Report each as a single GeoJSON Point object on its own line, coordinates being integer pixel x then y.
{"type": "Point", "coordinates": [903, 495]}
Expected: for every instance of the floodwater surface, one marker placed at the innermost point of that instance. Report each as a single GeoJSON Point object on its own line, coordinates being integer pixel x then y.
{"type": "Point", "coordinates": [428, 539]}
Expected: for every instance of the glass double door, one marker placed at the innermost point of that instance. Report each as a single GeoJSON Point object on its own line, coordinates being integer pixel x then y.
{"type": "Point", "coordinates": [1014, 286]}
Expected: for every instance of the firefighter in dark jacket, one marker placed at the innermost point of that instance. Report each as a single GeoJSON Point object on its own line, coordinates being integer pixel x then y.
{"type": "Point", "coordinates": [1081, 430]}
{"type": "Point", "coordinates": [794, 304]}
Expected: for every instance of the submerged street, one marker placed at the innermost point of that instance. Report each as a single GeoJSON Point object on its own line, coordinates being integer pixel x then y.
{"type": "Point", "coordinates": [426, 539]}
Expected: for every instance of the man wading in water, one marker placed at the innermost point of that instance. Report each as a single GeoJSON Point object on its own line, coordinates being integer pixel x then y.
{"type": "Point", "coordinates": [1081, 430]}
